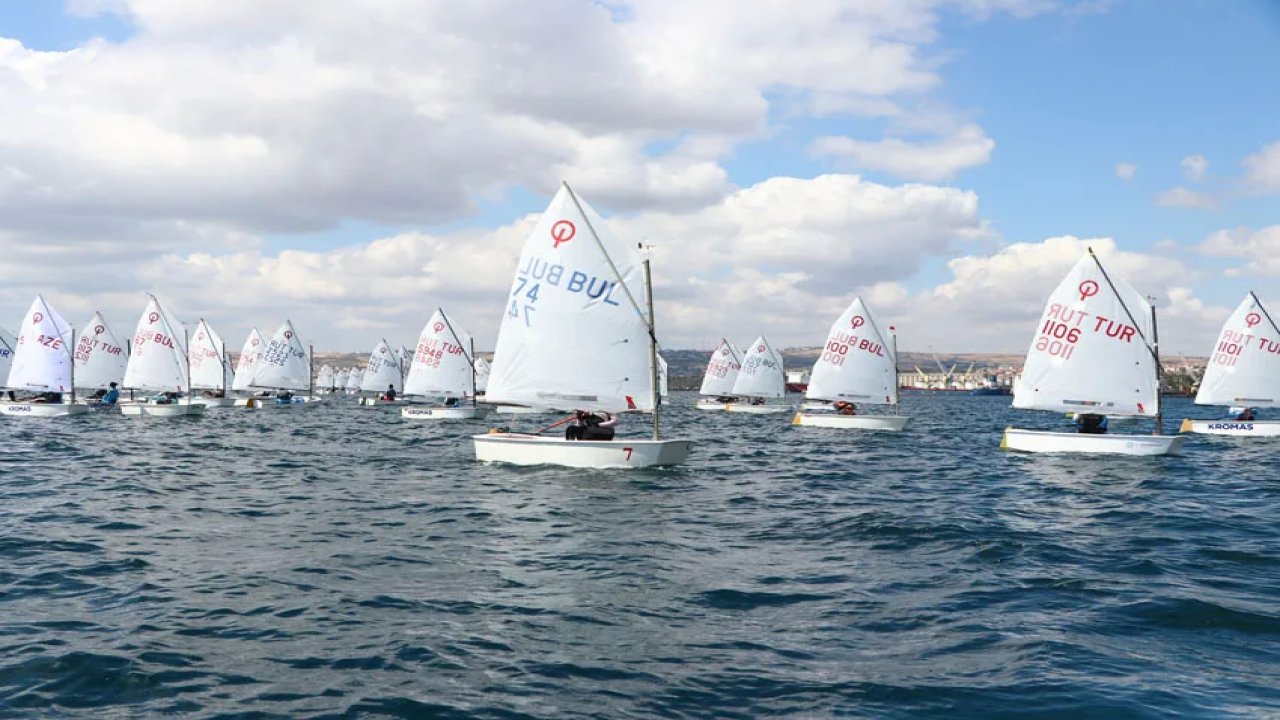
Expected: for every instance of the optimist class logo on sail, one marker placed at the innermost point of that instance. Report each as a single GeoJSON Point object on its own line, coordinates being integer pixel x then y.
{"type": "Point", "coordinates": [539, 274]}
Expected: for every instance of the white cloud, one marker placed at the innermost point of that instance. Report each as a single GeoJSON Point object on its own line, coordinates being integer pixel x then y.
{"type": "Point", "coordinates": [1126, 171]}
{"type": "Point", "coordinates": [991, 302]}
{"type": "Point", "coordinates": [933, 160]}
{"type": "Point", "coordinates": [1260, 249]}
{"type": "Point", "coordinates": [1184, 198]}
{"type": "Point", "coordinates": [1193, 167]}
{"type": "Point", "coordinates": [1263, 168]}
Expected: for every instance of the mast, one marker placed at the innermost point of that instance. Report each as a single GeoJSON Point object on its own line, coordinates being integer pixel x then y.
{"type": "Point", "coordinates": [73, 366]}
{"type": "Point", "coordinates": [311, 378]}
{"type": "Point", "coordinates": [224, 369]}
{"type": "Point", "coordinates": [893, 338]}
{"type": "Point", "coordinates": [654, 391]}
{"type": "Point", "coordinates": [186, 341]}
{"type": "Point", "coordinates": [472, 350]}
{"type": "Point", "coordinates": [1155, 351]}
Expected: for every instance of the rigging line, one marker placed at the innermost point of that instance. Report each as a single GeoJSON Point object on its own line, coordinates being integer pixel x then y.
{"type": "Point", "coordinates": [1138, 328]}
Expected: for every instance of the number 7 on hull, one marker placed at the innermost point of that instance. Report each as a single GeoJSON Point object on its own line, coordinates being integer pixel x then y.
{"type": "Point", "coordinates": [1094, 353]}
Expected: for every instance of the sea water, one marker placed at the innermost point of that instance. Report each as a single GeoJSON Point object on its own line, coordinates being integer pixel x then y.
{"type": "Point", "coordinates": [340, 562]}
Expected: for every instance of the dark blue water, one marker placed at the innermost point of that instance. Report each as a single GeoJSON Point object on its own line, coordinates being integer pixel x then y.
{"type": "Point", "coordinates": [338, 562]}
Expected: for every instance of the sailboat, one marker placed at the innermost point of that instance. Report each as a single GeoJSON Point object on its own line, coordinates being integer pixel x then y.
{"type": "Point", "coordinates": [382, 370]}
{"type": "Point", "coordinates": [482, 376]}
{"type": "Point", "coordinates": [285, 366]}
{"type": "Point", "coordinates": [722, 372]}
{"type": "Point", "coordinates": [1243, 370]}
{"type": "Point", "coordinates": [443, 366]}
{"type": "Point", "coordinates": [340, 378]}
{"type": "Point", "coordinates": [858, 364]}
{"type": "Point", "coordinates": [7, 344]}
{"type": "Point", "coordinates": [100, 357]}
{"type": "Point", "coordinates": [574, 334]}
{"type": "Point", "coordinates": [42, 362]}
{"type": "Point", "coordinates": [325, 379]}
{"type": "Point", "coordinates": [210, 368]}
{"type": "Point", "coordinates": [158, 362]}
{"type": "Point", "coordinates": [247, 365]}
{"type": "Point", "coordinates": [761, 378]}
{"type": "Point", "coordinates": [1094, 351]}
{"type": "Point", "coordinates": [354, 380]}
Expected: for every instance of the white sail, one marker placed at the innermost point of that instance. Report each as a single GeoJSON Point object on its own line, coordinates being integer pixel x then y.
{"type": "Point", "coordinates": [210, 369]}
{"type": "Point", "coordinates": [355, 379]}
{"type": "Point", "coordinates": [482, 375]}
{"type": "Point", "coordinates": [285, 364]}
{"type": "Point", "coordinates": [42, 352]}
{"type": "Point", "coordinates": [100, 357]}
{"type": "Point", "coordinates": [662, 378]}
{"type": "Point", "coordinates": [324, 378]}
{"type": "Point", "coordinates": [340, 378]}
{"type": "Point", "coordinates": [1244, 366]}
{"type": "Point", "coordinates": [1091, 351]}
{"type": "Point", "coordinates": [573, 335]}
{"type": "Point", "coordinates": [761, 374]}
{"type": "Point", "coordinates": [247, 363]}
{"type": "Point", "coordinates": [857, 362]}
{"type": "Point", "coordinates": [441, 364]}
{"type": "Point", "coordinates": [8, 342]}
{"type": "Point", "coordinates": [722, 370]}
{"type": "Point", "coordinates": [383, 369]}
{"type": "Point", "coordinates": [158, 355]}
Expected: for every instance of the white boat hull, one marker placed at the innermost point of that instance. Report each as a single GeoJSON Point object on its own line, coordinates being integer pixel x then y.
{"type": "Point", "coordinates": [517, 449]}
{"type": "Point", "coordinates": [1233, 428]}
{"type": "Point", "coordinates": [154, 410]}
{"type": "Point", "coordinates": [375, 402]}
{"type": "Point", "coordinates": [42, 410]}
{"type": "Point", "coordinates": [420, 412]}
{"type": "Point", "coordinates": [213, 402]}
{"type": "Point", "coordinates": [522, 410]}
{"type": "Point", "coordinates": [851, 422]}
{"type": "Point", "coordinates": [815, 405]}
{"type": "Point", "coordinates": [1039, 441]}
{"type": "Point", "coordinates": [263, 403]}
{"type": "Point", "coordinates": [742, 407]}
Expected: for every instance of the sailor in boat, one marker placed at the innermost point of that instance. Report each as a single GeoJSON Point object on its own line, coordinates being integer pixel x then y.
{"type": "Point", "coordinates": [284, 397]}
{"type": "Point", "coordinates": [1241, 414]}
{"type": "Point", "coordinates": [726, 399]}
{"type": "Point", "coordinates": [51, 398]}
{"type": "Point", "coordinates": [1091, 423]}
{"type": "Point", "coordinates": [390, 394]}
{"type": "Point", "coordinates": [452, 402]}
{"type": "Point", "coordinates": [590, 426]}
{"type": "Point", "coordinates": [106, 398]}
{"type": "Point", "coordinates": [213, 393]}
{"type": "Point", "coordinates": [757, 401]}
{"type": "Point", "coordinates": [166, 398]}
{"type": "Point", "coordinates": [844, 407]}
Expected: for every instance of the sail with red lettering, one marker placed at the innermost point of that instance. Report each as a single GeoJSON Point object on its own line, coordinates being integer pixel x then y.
{"type": "Point", "coordinates": [247, 363]}
{"type": "Point", "coordinates": [442, 361]}
{"type": "Point", "coordinates": [158, 356]}
{"type": "Point", "coordinates": [285, 363]}
{"type": "Point", "coordinates": [1093, 348]}
{"type": "Point", "coordinates": [100, 357]}
{"type": "Point", "coordinates": [383, 369]}
{"type": "Point", "coordinates": [761, 375]}
{"type": "Point", "coordinates": [42, 358]}
{"type": "Point", "coordinates": [857, 362]}
{"type": "Point", "coordinates": [573, 335]}
{"type": "Point", "coordinates": [8, 341]}
{"type": "Point", "coordinates": [1244, 366]}
{"type": "Point", "coordinates": [210, 368]}
{"type": "Point", "coordinates": [722, 370]}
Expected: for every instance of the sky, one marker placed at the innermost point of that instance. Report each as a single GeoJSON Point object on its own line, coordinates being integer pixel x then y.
{"type": "Point", "coordinates": [353, 169]}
